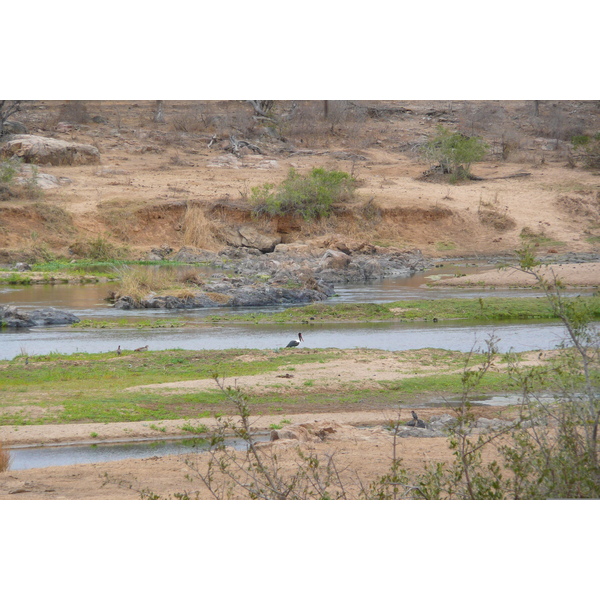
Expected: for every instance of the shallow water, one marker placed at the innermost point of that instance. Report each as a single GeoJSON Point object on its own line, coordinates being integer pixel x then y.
{"type": "Point", "coordinates": [36, 457]}
{"type": "Point", "coordinates": [464, 337]}
{"type": "Point", "coordinates": [87, 301]}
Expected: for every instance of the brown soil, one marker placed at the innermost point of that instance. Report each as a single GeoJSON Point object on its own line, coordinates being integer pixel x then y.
{"type": "Point", "coordinates": [151, 176]}
{"type": "Point", "coordinates": [154, 178]}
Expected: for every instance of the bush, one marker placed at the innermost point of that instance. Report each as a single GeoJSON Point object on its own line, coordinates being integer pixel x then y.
{"type": "Point", "coordinates": [311, 196]}
{"type": "Point", "coordinates": [590, 148]}
{"type": "Point", "coordinates": [8, 169]}
{"type": "Point", "coordinates": [454, 152]}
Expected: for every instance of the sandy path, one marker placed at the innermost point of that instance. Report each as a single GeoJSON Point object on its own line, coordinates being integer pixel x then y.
{"type": "Point", "coordinates": [576, 275]}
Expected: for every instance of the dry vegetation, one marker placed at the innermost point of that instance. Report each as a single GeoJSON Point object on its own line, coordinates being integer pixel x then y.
{"type": "Point", "coordinates": [185, 181]}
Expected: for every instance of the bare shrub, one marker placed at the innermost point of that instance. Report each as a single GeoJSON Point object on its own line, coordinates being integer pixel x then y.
{"type": "Point", "coordinates": [582, 204]}
{"type": "Point", "coordinates": [192, 120]}
{"type": "Point", "coordinates": [491, 214]}
{"type": "Point", "coordinates": [74, 111]}
{"type": "Point", "coordinates": [5, 458]}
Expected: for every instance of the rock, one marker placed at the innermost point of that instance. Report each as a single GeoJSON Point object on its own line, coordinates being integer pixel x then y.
{"type": "Point", "coordinates": [306, 432]}
{"type": "Point", "coordinates": [442, 422]}
{"type": "Point", "coordinates": [248, 237]}
{"type": "Point", "coordinates": [44, 181]}
{"type": "Point", "coordinates": [42, 150]}
{"type": "Point", "coordinates": [334, 259]}
{"type": "Point", "coordinates": [14, 127]}
{"type": "Point", "coordinates": [160, 253]}
{"type": "Point", "coordinates": [13, 317]}
{"type": "Point", "coordinates": [21, 266]}
{"type": "Point", "coordinates": [416, 422]}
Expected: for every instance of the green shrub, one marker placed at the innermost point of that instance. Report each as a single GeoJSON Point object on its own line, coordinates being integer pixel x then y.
{"type": "Point", "coordinates": [8, 169]}
{"type": "Point", "coordinates": [454, 152]}
{"type": "Point", "coordinates": [310, 196]}
{"type": "Point", "coordinates": [590, 147]}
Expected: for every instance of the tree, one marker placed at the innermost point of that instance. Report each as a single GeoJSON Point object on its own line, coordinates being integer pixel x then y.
{"type": "Point", "coordinates": [453, 152]}
{"type": "Point", "coordinates": [7, 109]}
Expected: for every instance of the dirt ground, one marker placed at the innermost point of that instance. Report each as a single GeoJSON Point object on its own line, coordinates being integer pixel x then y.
{"type": "Point", "coordinates": [161, 184]}
{"type": "Point", "coordinates": [363, 454]}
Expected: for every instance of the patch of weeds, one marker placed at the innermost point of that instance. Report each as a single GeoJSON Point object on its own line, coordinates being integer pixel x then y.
{"type": "Point", "coordinates": [156, 428]}
{"type": "Point", "coordinates": [194, 429]}
{"type": "Point", "coordinates": [539, 237]}
{"type": "Point", "coordinates": [445, 246]}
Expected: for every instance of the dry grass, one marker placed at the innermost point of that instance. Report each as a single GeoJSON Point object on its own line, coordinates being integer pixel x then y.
{"type": "Point", "coordinates": [198, 230]}
{"type": "Point", "coordinates": [4, 458]}
{"type": "Point", "coordinates": [138, 282]}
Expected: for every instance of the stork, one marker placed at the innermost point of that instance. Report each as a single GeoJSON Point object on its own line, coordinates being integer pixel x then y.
{"type": "Point", "coordinates": [295, 343]}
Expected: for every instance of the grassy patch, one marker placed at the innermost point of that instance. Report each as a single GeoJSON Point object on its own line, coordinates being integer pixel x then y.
{"type": "Point", "coordinates": [415, 310]}
{"type": "Point", "coordinates": [126, 324]}
{"type": "Point", "coordinates": [95, 388]}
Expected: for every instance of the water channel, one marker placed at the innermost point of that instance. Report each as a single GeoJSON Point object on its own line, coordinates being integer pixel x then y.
{"type": "Point", "coordinates": [56, 455]}
{"type": "Point", "coordinates": [87, 301]}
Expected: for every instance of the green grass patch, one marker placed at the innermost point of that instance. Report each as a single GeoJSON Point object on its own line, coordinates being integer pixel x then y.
{"type": "Point", "coordinates": [94, 388]}
{"type": "Point", "coordinates": [126, 324]}
{"type": "Point", "coordinates": [474, 309]}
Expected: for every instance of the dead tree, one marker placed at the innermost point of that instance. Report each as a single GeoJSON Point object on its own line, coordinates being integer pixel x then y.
{"type": "Point", "coordinates": [7, 109]}
{"type": "Point", "coordinates": [235, 145]}
{"type": "Point", "coordinates": [159, 112]}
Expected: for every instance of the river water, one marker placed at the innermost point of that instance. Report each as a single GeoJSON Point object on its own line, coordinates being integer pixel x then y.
{"type": "Point", "coordinates": [88, 302]}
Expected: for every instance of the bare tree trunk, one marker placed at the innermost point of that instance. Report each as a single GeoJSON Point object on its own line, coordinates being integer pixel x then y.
{"type": "Point", "coordinates": [159, 112]}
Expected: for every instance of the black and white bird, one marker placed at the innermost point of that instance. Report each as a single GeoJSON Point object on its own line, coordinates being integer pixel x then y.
{"type": "Point", "coordinates": [295, 343]}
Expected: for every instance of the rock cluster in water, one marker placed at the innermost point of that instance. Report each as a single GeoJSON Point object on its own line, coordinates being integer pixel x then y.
{"type": "Point", "coordinates": [290, 274]}
{"type": "Point", "coordinates": [15, 317]}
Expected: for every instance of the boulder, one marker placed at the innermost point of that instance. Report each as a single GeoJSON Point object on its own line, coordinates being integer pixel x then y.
{"type": "Point", "coordinates": [22, 266]}
{"type": "Point", "coordinates": [42, 150]}
{"type": "Point", "coordinates": [14, 317]}
{"type": "Point", "coordinates": [335, 259]}
{"type": "Point", "coordinates": [44, 181]}
{"type": "Point", "coordinates": [306, 432]}
{"type": "Point", "coordinates": [248, 237]}
{"type": "Point", "coordinates": [14, 127]}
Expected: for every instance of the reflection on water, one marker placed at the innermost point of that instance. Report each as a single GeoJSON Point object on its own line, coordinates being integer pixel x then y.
{"type": "Point", "coordinates": [75, 454]}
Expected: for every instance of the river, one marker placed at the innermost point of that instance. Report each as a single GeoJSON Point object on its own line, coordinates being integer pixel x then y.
{"type": "Point", "coordinates": [87, 301]}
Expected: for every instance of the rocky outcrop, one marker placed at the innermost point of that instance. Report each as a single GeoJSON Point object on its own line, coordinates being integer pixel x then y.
{"type": "Point", "coordinates": [248, 237]}
{"type": "Point", "coordinates": [291, 274]}
{"type": "Point", "coordinates": [14, 317]}
{"type": "Point", "coordinates": [230, 294]}
{"type": "Point", "coordinates": [297, 262]}
{"type": "Point", "coordinates": [48, 151]}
